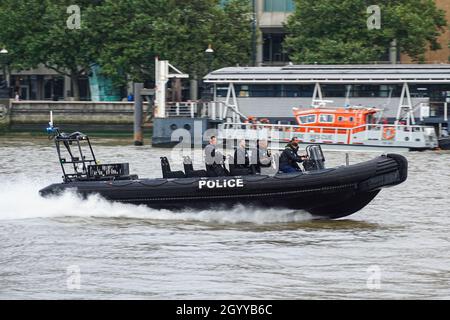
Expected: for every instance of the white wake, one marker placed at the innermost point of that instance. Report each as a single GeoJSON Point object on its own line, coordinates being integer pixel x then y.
{"type": "Point", "coordinates": [21, 200]}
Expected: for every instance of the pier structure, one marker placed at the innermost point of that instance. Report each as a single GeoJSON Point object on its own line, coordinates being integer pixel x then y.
{"type": "Point", "coordinates": [193, 117]}
{"type": "Point", "coordinates": [417, 94]}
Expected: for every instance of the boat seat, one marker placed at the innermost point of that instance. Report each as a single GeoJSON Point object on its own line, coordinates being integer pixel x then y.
{"type": "Point", "coordinates": [189, 169]}
{"type": "Point", "coordinates": [216, 170]}
{"type": "Point", "coordinates": [167, 172]}
{"type": "Point", "coordinates": [235, 170]}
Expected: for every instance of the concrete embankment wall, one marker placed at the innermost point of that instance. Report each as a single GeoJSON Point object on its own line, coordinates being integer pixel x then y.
{"type": "Point", "coordinates": [93, 116]}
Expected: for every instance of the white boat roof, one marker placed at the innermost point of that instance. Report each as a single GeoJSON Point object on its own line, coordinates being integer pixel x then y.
{"type": "Point", "coordinates": [334, 74]}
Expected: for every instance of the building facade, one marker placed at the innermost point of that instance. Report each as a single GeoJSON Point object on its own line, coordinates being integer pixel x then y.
{"type": "Point", "coordinates": [45, 84]}
{"type": "Point", "coordinates": [272, 14]}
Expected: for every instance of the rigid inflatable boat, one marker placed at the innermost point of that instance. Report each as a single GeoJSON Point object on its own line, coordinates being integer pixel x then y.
{"type": "Point", "coordinates": [325, 193]}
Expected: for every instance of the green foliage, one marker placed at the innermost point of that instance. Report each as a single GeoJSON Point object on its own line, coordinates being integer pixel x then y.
{"type": "Point", "coordinates": [124, 36]}
{"type": "Point", "coordinates": [35, 32]}
{"type": "Point", "coordinates": [175, 30]}
{"type": "Point", "coordinates": [329, 31]}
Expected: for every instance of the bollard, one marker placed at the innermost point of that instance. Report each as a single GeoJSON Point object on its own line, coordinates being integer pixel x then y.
{"type": "Point", "coordinates": [138, 115]}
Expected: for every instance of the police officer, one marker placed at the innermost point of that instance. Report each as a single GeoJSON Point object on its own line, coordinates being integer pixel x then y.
{"type": "Point", "coordinates": [261, 156]}
{"type": "Point", "coordinates": [214, 159]}
{"type": "Point", "coordinates": [290, 159]}
{"type": "Point", "coordinates": [242, 159]}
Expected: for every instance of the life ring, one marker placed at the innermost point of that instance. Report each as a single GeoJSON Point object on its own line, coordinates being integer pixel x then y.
{"type": "Point", "coordinates": [388, 133]}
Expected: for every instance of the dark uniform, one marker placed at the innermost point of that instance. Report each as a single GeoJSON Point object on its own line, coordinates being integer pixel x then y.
{"type": "Point", "coordinates": [261, 158]}
{"type": "Point", "coordinates": [242, 161]}
{"type": "Point", "coordinates": [289, 159]}
{"type": "Point", "coordinates": [214, 161]}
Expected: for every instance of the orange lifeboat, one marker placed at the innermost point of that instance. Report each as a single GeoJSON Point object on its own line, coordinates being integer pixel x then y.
{"type": "Point", "coordinates": [334, 120]}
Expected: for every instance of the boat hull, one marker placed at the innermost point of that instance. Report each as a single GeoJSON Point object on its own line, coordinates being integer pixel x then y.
{"type": "Point", "coordinates": [444, 143]}
{"type": "Point", "coordinates": [330, 193]}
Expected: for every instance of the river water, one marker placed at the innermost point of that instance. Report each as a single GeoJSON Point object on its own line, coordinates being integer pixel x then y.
{"type": "Point", "coordinates": [67, 248]}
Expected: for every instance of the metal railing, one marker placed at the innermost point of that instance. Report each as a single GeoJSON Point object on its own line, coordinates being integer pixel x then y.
{"type": "Point", "coordinates": [334, 135]}
{"type": "Point", "coordinates": [182, 109]}
{"type": "Point", "coordinates": [215, 110]}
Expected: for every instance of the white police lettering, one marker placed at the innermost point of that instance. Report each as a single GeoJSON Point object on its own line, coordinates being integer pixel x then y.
{"type": "Point", "coordinates": [221, 184]}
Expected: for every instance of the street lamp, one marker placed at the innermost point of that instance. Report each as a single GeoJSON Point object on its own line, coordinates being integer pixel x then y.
{"type": "Point", "coordinates": [209, 56]}
{"type": "Point", "coordinates": [4, 85]}
{"type": "Point", "coordinates": [210, 49]}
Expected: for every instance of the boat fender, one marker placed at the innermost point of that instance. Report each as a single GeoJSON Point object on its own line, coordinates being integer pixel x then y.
{"type": "Point", "coordinates": [221, 184]}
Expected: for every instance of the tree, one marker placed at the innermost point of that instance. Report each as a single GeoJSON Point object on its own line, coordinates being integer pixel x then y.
{"type": "Point", "coordinates": [177, 30]}
{"type": "Point", "coordinates": [329, 31]}
{"type": "Point", "coordinates": [233, 34]}
{"type": "Point", "coordinates": [123, 37]}
{"type": "Point", "coordinates": [36, 32]}
{"type": "Point", "coordinates": [125, 28]}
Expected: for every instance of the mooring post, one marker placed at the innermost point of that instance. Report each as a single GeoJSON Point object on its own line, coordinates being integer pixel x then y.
{"type": "Point", "coordinates": [138, 115]}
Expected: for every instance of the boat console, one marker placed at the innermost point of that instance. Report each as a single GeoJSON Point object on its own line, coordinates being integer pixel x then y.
{"type": "Point", "coordinates": [316, 159]}
{"type": "Point", "coordinates": [78, 161]}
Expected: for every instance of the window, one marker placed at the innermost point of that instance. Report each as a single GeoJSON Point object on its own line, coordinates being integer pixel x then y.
{"type": "Point", "coordinates": [334, 90]}
{"type": "Point", "coordinates": [351, 119]}
{"type": "Point", "coordinates": [273, 48]}
{"type": "Point", "coordinates": [269, 90]}
{"type": "Point", "coordinates": [278, 5]}
{"type": "Point", "coordinates": [326, 118]}
{"type": "Point", "coordinates": [362, 90]}
{"type": "Point", "coordinates": [311, 118]}
{"type": "Point", "coordinates": [340, 119]}
{"type": "Point", "coordinates": [53, 88]}
{"type": "Point", "coordinates": [221, 91]}
{"type": "Point", "coordinates": [243, 91]}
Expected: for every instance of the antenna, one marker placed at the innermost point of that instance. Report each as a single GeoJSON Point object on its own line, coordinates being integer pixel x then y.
{"type": "Point", "coordinates": [51, 130]}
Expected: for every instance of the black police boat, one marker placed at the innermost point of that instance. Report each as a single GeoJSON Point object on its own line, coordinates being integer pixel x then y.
{"type": "Point", "coordinates": [325, 193]}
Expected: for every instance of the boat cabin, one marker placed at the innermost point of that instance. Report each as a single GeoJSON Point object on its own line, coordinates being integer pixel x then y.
{"type": "Point", "coordinates": [334, 118]}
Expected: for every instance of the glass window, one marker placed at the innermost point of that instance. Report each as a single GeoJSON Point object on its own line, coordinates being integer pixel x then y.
{"type": "Point", "coordinates": [268, 90]}
{"type": "Point", "coordinates": [290, 90]}
{"type": "Point", "coordinates": [263, 90]}
{"type": "Point", "coordinates": [83, 84]}
{"type": "Point", "coordinates": [221, 91]}
{"type": "Point", "coordinates": [311, 118]}
{"type": "Point", "coordinates": [334, 90]}
{"type": "Point", "coordinates": [273, 48]}
{"type": "Point", "coordinates": [242, 91]}
{"type": "Point", "coordinates": [351, 119]}
{"type": "Point", "coordinates": [48, 89]}
{"type": "Point", "coordinates": [340, 119]}
{"type": "Point", "coordinates": [58, 88]}
{"type": "Point", "coordinates": [326, 118]}
{"type": "Point", "coordinates": [278, 6]}
{"type": "Point", "coordinates": [290, 7]}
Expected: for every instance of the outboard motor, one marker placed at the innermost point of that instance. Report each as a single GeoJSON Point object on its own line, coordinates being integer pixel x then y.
{"type": "Point", "coordinates": [316, 159]}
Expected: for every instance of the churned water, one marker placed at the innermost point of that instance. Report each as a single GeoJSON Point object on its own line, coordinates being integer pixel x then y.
{"type": "Point", "coordinates": [67, 248]}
